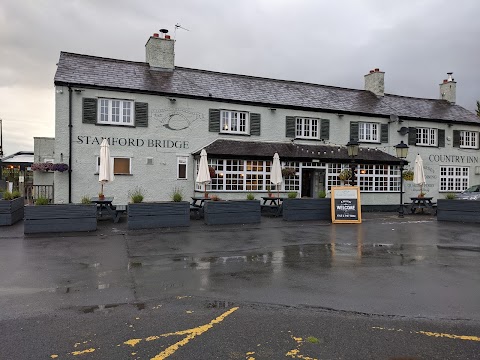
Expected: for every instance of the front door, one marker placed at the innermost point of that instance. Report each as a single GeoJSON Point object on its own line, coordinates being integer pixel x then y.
{"type": "Point", "coordinates": [313, 181]}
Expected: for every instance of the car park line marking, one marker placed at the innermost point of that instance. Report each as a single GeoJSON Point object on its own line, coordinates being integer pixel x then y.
{"type": "Point", "coordinates": [87, 351]}
{"type": "Point", "coordinates": [190, 335]}
{"type": "Point", "coordinates": [434, 334]}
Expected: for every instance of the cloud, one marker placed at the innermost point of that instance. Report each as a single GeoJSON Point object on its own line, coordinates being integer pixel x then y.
{"type": "Point", "coordinates": [326, 42]}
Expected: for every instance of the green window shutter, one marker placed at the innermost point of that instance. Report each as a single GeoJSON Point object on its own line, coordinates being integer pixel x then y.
{"type": "Point", "coordinates": [412, 136]}
{"type": "Point", "coordinates": [384, 133]}
{"type": "Point", "coordinates": [441, 138]}
{"type": "Point", "coordinates": [89, 110]}
{"type": "Point", "coordinates": [290, 126]}
{"type": "Point", "coordinates": [255, 124]}
{"type": "Point", "coordinates": [325, 129]}
{"type": "Point", "coordinates": [141, 114]}
{"type": "Point", "coordinates": [456, 138]}
{"type": "Point", "coordinates": [214, 120]}
{"type": "Point", "coordinates": [354, 131]}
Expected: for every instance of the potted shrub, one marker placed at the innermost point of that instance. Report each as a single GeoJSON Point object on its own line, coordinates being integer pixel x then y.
{"type": "Point", "coordinates": [11, 208]}
{"type": "Point", "coordinates": [292, 194]}
{"type": "Point", "coordinates": [158, 214]}
{"type": "Point", "coordinates": [250, 196]}
{"type": "Point", "coordinates": [53, 218]}
{"type": "Point", "coordinates": [269, 191]}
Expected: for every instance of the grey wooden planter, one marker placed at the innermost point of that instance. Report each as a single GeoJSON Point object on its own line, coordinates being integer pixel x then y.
{"type": "Point", "coordinates": [307, 209]}
{"type": "Point", "coordinates": [11, 211]}
{"type": "Point", "coordinates": [158, 214]}
{"type": "Point", "coordinates": [232, 212]}
{"type": "Point", "coordinates": [60, 218]}
{"type": "Point", "coordinates": [458, 210]}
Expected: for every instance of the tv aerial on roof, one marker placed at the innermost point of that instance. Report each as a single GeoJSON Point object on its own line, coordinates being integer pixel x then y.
{"type": "Point", "coordinates": [178, 26]}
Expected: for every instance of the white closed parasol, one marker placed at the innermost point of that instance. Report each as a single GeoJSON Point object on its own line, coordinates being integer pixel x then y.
{"type": "Point", "coordinates": [105, 171]}
{"type": "Point", "coordinates": [419, 173]}
{"type": "Point", "coordinates": [276, 172]}
{"type": "Point", "coordinates": [203, 176]}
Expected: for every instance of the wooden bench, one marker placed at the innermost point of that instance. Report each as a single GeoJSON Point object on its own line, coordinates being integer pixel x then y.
{"type": "Point", "coordinates": [119, 210]}
{"type": "Point", "coordinates": [196, 210]}
{"type": "Point", "coordinates": [275, 210]}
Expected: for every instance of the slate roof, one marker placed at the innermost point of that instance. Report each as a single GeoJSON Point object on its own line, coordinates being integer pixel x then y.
{"type": "Point", "coordinates": [287, 151]}
{"type": "Point", "coordinates": [85, 70]}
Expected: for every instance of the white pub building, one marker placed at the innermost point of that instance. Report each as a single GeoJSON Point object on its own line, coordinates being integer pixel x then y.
{"type": "Point", "coordinates": [157, 118]}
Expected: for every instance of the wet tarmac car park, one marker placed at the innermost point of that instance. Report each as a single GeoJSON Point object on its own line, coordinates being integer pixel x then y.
{"type": "Point", "coordinates": [388, 288]}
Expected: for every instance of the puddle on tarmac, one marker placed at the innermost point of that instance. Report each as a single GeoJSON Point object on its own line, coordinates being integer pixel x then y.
{"type": "Point", "coordinates": [98, 308]}
{"type": "Point", "coordinates": [219, 304]}
{"type": "Point", "coordinates": [107, 307]}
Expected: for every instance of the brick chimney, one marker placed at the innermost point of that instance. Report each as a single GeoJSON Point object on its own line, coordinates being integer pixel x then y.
{"type": "Point", "coordinates": [375, 82]}
{"type": "Point", "coordinates": [448, 89]}
{"type": "Point", "coordinates": [159, 51]}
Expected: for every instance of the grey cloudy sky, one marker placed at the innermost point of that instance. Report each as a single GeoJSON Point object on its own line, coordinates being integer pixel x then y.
{"type": "Point", "coordinates": [416, 42]}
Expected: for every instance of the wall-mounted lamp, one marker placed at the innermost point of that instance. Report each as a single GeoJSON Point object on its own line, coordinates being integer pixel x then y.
{"type": "Point", "coordinates": [273, 109]}
{"type": "Point", "coordinates": [172, 100]}
{"type": "Point", "coordinates": [450, 125]}
{"type": "Point", "coordinates": [59, 91]}
{"type": "Point", "coordinates": [78, 91]}
{"type": "Point", "coordinates": [340, 115]}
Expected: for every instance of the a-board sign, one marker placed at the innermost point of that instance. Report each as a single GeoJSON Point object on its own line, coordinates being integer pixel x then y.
{"type": "Point", "coordinates": [346, 206]}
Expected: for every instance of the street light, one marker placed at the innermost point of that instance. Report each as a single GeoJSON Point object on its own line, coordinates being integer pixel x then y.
{"type": "Point", "coordinates": [402, 152]}
{"type": "Point", "coordinates": [352, 148]}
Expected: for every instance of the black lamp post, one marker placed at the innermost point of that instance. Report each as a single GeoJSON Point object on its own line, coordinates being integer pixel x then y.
{"type": "Point", "coordinates": [352, 148]}
{"type": "Point", "coordinates": [402, 152]}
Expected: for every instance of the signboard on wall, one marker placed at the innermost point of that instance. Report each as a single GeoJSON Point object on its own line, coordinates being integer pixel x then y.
{"type": "Point", "coordinates": [345, 205]}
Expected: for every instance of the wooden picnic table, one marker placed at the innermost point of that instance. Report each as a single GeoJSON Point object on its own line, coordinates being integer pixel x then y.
{"type": "Point", "coordinates": [421, 203]}
{"type": "Point", "coordinates": [105, 204]}
{"type": "Point", "coordinates": [272, 204]}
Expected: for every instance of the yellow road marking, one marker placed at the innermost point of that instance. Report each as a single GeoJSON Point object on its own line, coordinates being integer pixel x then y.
{"type": "Point", "coordinates": [295, 353]}
{"type": "Point", "coordinates": [192, 333]}
{"type": "Point", "coordinates": [54, 356]}
{"type": "Point", "coordinates": [76, 353]}
{"type": "Point", "coordinates": [434, 334]}
{"type": "Point", "coordinates": [132, 342]}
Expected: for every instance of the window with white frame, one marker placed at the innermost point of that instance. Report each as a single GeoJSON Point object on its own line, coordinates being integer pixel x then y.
{"type": "Point", "coordinates": [182, 165]}
{"type": "Point", "coordinates": [239, 175]}
{"type": "Point", "coordinates": [292, 183]}
{"type": "Point", "coordinates": [370, 178]}
{"type": "Point", "coordinates": [235, 122]}
{"type": "Point", "coordinates": [121, 165]}
{"type": "Point", "coordinates": [368, 132]}
{"type": "Point", "coordinates": [115, 111]}
{"type": "Point", "coordinates": [469, 139]}
{"type": "Point", "coordinates": [306, 128]}
{"type": "Point", "coordinates": [453, 178]}
{"type": "Point", "coordinates": [426, 136]}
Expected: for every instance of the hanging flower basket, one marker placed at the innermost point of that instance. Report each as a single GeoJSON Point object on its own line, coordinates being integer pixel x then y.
{"type": "Point", "coordinates": [408, 175]}
{"type": "Point", "coordinates": [44, 167]}
{"type": "Point", "coordinates": [212, 171]}
{"type": "Point", "coordinates": [286, 172]}
{"type": "Point", "coordinates": [345, 175]}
